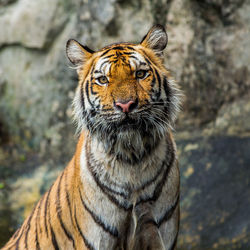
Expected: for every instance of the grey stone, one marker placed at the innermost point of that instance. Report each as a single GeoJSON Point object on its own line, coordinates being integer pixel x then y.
{"type": "Point", "coordinates": [214, 203]}
{"type": "Point", "coordinates": [32, 23]}
{"type": "Point", "coordinates": [6, 2]}
{"type": "Point", "coordinates": [209, 55]}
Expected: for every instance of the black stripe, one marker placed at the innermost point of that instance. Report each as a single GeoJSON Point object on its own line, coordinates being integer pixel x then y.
{"type": "Point", "coordinates": [45, 211]}
{"type": "Point", "coordinates": [166, 88]}
{"type": "Point", "coordinates": [20, 236]}
{"type": "Point", "coordinates": [54, 241]}
{"type": "Point", "coordinates": [127, 53]}
{"type": "Point", "coordinates": [18, 240]}
{"type": "Point", "coordinates": [118, 54]}
{"type": "Point", "coordinates": [28, 228]}
{"type": "Point", "coordinates": [82, 96]}
{"type": "Point", "coordinates": [87, 93]}
{"type": "Point", "coordinates": [148, 61]}
{"type": "Point", "coordinates": [168, 96]}
{"type": "Point", "coordinates": [104, 53]}
{"type": "Point", "coordinates": [172, 247]}
{"type": "Point", "coordinates": [123, 194]}
{"type": "Point", "coordinates": [21, 230]}
{"type": "Point", "coordinates": [106, 57]}
{"type": "Point", "coordinates": [152, 84]}
{"type": "Point", "coordinates": [37, 240]}
{"type": "Point", "coordinates": [130, 68]}
{"type": "Point", "coordinates": [91, 69]}
{"type": "Point", "coordinates": [39, 212]}
{"type": "Point", "coordinates": [168, 214]}
{"type": "Point", "coordinates": [109, 229]}
{"type": "Point", "coordinates": [86, 242]}
{"type": "Point", "coordinates": [103, 63]}
{"type": "Point", "coordinates": [133, 57]}
{"type": "Point", "coordinates": [124, 60]}
{"type": "Point", "coordinates": [124, 206]}
{"type": "Point", "coordinates": [88, 49]}
{"type": "Point", "coordinates": [38, 222]}
{"type": "Point", "coordinates": [142, 63]}
{"type": "Point", "coordinates": [130, 48]}
{"type": "Point", "coordinates": [92, 91]}
{"type": "Point", "coordinates": [161, 183]}
{"type": "Point", "coordinates": [67, 196]}
{"type": "Point", "coordinates": [159, 81]}
{"type": "Point", "coordinates": [147, 183]}
{"type": "Point", "coordinates": [118, 47]}
{"type": "Point", "coordinates": [59, 211]}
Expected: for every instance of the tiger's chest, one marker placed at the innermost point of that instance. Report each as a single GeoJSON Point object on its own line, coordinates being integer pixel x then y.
{"type": "Point", "coordinates": [117, 201]}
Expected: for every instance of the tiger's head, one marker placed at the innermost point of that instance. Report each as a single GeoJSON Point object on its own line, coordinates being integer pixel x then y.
{"type": "Point", "coordinates": [124, 89]}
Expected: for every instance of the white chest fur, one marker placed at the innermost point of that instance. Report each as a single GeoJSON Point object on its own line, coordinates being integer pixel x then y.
{"type": "Point", "coordinates": [117, 188]}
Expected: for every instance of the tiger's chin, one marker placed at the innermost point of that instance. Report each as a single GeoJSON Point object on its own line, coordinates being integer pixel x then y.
{"type": "Point", "coordinates": [128, 123]}
{"type": "Point", "coordinates": [140, 123]}
{"type": "Point", "coordinates": [136, 135]}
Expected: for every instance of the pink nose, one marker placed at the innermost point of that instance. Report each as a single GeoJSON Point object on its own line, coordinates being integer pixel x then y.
{"type": "Point", "coordinates": [126, 107]}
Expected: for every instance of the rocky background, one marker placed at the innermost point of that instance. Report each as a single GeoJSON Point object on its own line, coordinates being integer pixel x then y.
{"type": "Point", "coordinates": [208, 53]}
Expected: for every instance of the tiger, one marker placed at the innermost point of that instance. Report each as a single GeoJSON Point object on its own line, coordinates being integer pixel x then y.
{"type": "Point", "coordinates": [121, 189]}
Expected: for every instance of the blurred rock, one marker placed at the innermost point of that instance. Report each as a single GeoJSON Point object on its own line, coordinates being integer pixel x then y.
{"type": "Point", "coordinates": [28, 189]}
{"type": "Point", "coordinates": [232, 119]}
{"type": "Point", "coordinates": [215, 195]}
{"type": "Point", "coordinates": [32, 24]}
{"type": "Point", "coordinates": [6, 2]}
{"type": "Point", "coordinates": [209, 55]}
{"type": "Point", "coordinates": [19, 194]}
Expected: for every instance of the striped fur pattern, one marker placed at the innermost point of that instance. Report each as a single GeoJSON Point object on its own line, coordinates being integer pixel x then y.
{"type": "Point", "coordinates": [121, 188]}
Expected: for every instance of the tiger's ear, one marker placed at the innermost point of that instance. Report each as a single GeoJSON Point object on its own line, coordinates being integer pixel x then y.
{"type": "Point", "coordinates": [156, 39]}
{"type": "Point", "coordinates": [77, 53]}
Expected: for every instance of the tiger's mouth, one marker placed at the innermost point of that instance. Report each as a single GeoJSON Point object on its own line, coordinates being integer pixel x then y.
{"type": "Point", "coordinates": [141, 120]}
{"type": "Point", "coordinates": [122, 122]}
{"type": "Point", "coordinates": [129, 121]}
{"type": "Point", "coordinates": [150, 119]}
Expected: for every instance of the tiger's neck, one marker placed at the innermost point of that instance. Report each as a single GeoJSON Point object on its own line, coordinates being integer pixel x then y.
{"type": "Point", "coordinates": [126, 162]}
{"type": "Point", "coordinates": [127, 147]}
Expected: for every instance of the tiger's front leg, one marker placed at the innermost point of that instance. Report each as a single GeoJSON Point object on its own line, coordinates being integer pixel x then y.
{"type": "Point", "coordinates": [144, 232]}
{"type": "Point", "coordinates": [149, 238]}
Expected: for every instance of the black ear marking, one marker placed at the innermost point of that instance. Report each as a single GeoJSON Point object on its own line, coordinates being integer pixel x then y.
{"type": "Point", "coordinates": [77, 53]}
{"type": "Point", "coordinates": [156, 38]}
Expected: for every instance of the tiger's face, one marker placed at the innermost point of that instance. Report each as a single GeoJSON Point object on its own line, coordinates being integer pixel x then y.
{"type": "Point", "coordinates": [125, 88]}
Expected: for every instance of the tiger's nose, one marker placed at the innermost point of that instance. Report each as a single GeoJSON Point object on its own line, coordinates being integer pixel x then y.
{"type": "Point", "coordinates": [126, 106]}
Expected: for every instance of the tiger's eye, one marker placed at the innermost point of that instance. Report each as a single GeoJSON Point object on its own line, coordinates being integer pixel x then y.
{"type": "Point", "coordinates": [102, 79]}
{"type": "Point", "coordinates": [140, 74]}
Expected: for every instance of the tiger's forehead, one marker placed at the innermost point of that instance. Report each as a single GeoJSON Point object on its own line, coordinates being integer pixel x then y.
{"type": "Point", "coordinates": [120, 56]}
